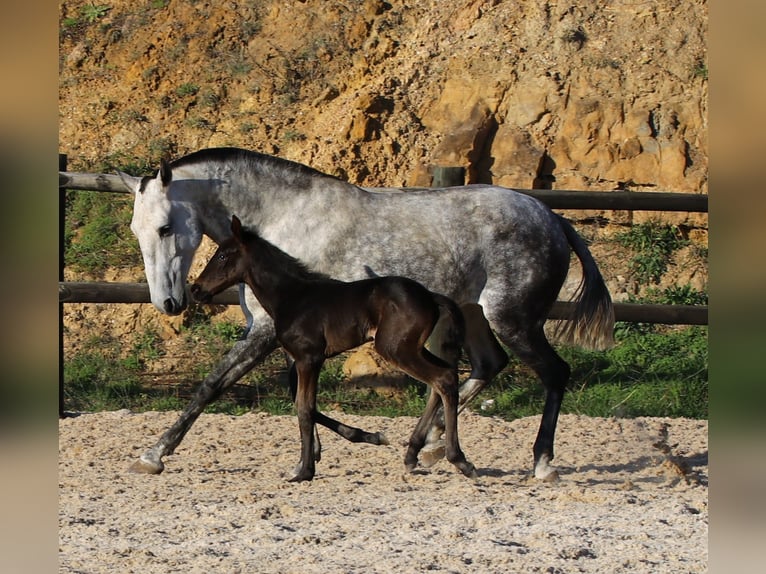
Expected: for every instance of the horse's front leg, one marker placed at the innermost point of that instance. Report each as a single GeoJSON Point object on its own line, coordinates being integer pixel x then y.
{"type": "Point", "coordinates": [238, 361]}
{"type": "Point", "coordinates": [305, 405]}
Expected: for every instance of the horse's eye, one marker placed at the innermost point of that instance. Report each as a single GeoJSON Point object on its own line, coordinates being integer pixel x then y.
{"type": "Point", "coordinates": [165, 231]}
{"type": "Point", "coordinates": [222, 257]}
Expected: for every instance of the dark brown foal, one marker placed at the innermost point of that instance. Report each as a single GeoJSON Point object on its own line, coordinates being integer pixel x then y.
{"type": "Point", "coordinates": [317, 317]}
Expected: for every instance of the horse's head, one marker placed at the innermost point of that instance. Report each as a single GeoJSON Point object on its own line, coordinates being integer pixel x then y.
{"type": "Point", "coordinates": [168, 232]}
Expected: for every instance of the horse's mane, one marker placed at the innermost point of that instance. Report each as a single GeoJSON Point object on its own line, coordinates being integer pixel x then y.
{"type": "Point", "coordinates": [271, 256]}
{"type": "Point", "coordinates": [283, 169]}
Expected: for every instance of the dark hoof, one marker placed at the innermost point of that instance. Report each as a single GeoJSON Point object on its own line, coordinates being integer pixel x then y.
{"type": "Point", "coordinates": [468, 470]}
{"type": "Point", "coordinates": [381, 438]}
{"type": "Point", "coordinates": [301, 478]}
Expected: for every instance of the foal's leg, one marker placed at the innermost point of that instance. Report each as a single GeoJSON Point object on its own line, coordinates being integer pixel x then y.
{"type": "Point", "coordinates": [245, 354]}
{"type": "Point", "coordinates": [350, 433]}
{"type": "Point", "coordinates": [305, 404]}
{"type": "Point", "coordinates": [444, 385]}
{"type": "Point", "coordinates": [416, 361]}
{"type": "Point", "coordinates": [487, 359]}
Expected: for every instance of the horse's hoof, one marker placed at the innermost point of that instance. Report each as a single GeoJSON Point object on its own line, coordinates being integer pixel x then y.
{"type": "Point", "coordinates": [410, 467]}
{"type": "Point", "coordinates": [552, 476]}
{"type": "Point", "coordinates": [431, 454]}
{"type": "Point", "coordinates": [382, 439]}
{"type": "Point", "coordinates": [469, 470]}
{"type": "Point", "coordinates": [143, 466]}
{"type": "Point", "coordinates": [301, 478]}
{"type": "Point", "coordinates": [545, 472]}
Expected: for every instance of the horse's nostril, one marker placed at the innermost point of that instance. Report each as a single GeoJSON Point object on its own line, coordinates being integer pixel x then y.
{"type": "Point", "coordinates": [170, 305]}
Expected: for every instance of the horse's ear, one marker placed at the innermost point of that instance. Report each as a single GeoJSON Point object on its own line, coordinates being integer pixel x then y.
{"type": "Point", "coordinates": [133, 183]}
{"type": "Point", "coordinates": [166, 174]}
{"type": "Point", "coordinates": [236, 227]}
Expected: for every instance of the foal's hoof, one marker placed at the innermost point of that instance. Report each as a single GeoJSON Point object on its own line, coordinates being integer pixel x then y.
{"type": "Point", "coordinates": [301, 475]}
{"type": "Point", "coordinates": [143, 466]}
{"type": "Point", "coordinates": [431, 454]}
{"type": "Point", "coordinates": [301, 478]}
{"type": "Point", "coordinates": [468, 470]}
{"type": "Point", "coordinates": [381, 438]}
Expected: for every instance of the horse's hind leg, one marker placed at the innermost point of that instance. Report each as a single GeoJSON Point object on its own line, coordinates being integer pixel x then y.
{"type": "Point", "coordinates": [418, 437]}
{"type": "Point", "coordinates": [554, 373]}
{"type": "Point", "coordinates": [484, 351]}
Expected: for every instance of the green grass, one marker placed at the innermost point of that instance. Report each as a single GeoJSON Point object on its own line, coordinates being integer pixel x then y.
{"type": "Point", "coordinates": [650, 372]}
{"type": "Point", "coordinates": [97, 232]}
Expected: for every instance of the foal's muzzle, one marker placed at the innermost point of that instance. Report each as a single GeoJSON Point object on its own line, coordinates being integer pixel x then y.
{"type": "Point", "coordinates": [199, 294]}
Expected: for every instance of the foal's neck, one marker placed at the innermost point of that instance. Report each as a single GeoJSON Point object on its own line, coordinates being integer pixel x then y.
{"type": "Point", "coordinates": [275, 276]}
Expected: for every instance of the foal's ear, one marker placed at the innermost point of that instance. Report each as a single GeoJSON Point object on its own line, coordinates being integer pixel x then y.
{"type": "Point", "coordinates": [166, 174]}
{"type": "Point", "coordinates": [236, 227]}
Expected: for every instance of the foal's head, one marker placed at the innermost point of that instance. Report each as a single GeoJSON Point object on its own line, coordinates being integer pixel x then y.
{"type": "Point", "coordinates": [227, 267]}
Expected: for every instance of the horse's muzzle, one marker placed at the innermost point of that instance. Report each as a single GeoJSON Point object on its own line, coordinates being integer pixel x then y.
{"type": "Point", "coordinates": [174, 307]}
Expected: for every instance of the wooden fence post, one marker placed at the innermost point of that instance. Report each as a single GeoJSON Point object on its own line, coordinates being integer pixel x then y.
{"type": "Point", "coordinates": [62, 221]}
{"type": "Point", "coordinates": [448, 176]}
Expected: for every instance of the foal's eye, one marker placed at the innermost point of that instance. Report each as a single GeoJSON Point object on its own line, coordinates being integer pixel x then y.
{"type": "Point", "coordinates": [165, 231]}
{"type": "Point", "coordinates": [222, 257]}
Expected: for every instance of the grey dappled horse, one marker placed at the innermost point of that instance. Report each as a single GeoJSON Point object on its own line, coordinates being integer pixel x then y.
{"type": "Point", "coordinates": [502, 255]}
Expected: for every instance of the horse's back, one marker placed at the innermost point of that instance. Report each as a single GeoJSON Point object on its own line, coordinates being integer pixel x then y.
{"type": "Point", "coordinates": [456, 240]}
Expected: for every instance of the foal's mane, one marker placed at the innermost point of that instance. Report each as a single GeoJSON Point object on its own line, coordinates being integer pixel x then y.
{"type": "Point", "coordinates": [272, 257]}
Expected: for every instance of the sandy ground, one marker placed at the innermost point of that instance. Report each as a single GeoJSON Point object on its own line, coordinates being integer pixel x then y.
{"type": "Point", "coordinates": [629, 499]}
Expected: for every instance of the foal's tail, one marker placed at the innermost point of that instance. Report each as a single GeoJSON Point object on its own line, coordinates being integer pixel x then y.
{"type": "Point", "coordinates": [448, 335]}
{"type": "Point", "coordinates": [591, 325]}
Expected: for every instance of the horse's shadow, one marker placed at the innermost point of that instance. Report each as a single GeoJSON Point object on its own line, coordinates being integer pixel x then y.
{"type": "Point", "coordinates": [692, 468]}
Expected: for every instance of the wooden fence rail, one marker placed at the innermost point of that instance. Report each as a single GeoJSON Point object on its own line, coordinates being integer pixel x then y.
{"type": "Point", "coordinates": [102, 292]}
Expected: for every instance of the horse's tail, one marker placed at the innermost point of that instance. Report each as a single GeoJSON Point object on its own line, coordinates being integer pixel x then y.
{"type": "Point", "coordinates": [448, 335]}
{"type": "Point", "coordinates": [591, 324]}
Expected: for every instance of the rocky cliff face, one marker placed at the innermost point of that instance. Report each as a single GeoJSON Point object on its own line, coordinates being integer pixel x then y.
{"type": "Point", "coordinates": [599, 96]}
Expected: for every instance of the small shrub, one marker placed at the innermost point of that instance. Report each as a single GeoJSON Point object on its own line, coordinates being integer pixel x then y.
{"type": "Point", "coordinates": [97, 233]}
{"type": "Point", "coordinates": [653, 245]}
{"type": "Point", "coordinates": [187, 89]}
{"type": "Point", "coordinates": [645, 374]}
{"type": "Point", "coordinates": [91, 12]}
